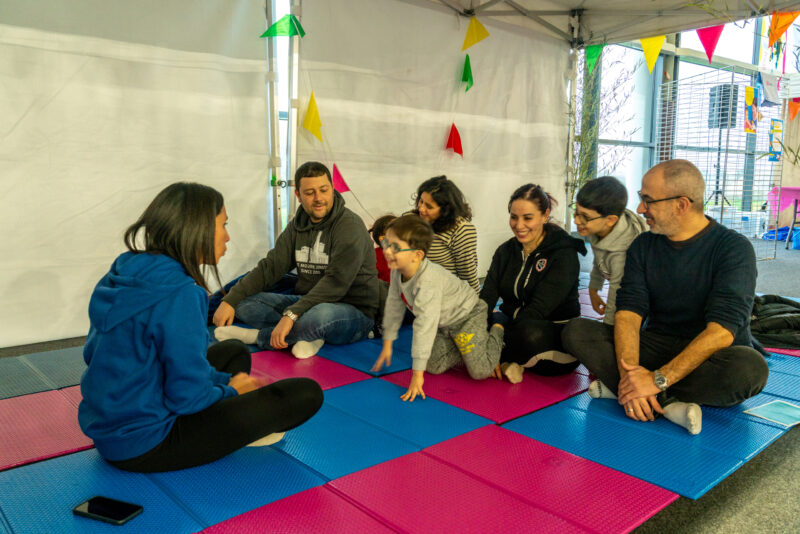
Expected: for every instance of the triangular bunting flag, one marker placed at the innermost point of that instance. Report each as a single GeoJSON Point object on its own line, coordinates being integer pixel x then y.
{"type": "Point", "coordinates": [779, 24]}
{"type": "Point", "coordinates": [475, 33]}
{"type": "Point", "coordinates": [709, 37]}
{"type": "Point", "coordinates": [794, 107]}
{"type": "Point", "coordinates": [311, 121]}
{"type": "Point", "coordinates": [651, 46]}
{"type": "Point", "coordinates": [287, 26]}
{"type": "Point", "coordinates": [338, 182]}
{"type": "Point", "coordinates": [467, 74]}
{"type": "Point", "coordinates": [454, 141]}
{"type": "Point", "coordinates": [592, 53]}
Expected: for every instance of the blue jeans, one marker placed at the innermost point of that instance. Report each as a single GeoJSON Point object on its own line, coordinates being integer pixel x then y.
{"type": "Point", "coordinates": [335, 322]}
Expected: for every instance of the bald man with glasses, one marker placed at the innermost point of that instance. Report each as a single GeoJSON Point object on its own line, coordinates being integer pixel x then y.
{"type": "Point", "coordinates": [681, 337]}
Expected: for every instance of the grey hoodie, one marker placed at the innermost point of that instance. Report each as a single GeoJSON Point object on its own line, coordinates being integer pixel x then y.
{"type": "Point", "coordinates": [609, 257]}
{"type": "Point", "coordinates": [335, 262]}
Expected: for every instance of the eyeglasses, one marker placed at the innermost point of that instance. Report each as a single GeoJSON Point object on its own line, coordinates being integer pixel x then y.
{"type": "Point", "coordinates": [386, 245]}
{"type": "Point", "coordinates": [649, 201]}
{"type": "Point", "coordinates": [580, 217]}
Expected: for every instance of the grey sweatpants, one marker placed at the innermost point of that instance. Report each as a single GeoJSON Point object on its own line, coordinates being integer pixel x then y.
{"type": "Point", "coordinates": [468, 342]}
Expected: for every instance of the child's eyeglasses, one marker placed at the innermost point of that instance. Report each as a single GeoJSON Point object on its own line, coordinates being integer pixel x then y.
{"type": "Point", "coordinates": [386, 245]}
{"type": "Point", "coordinates": [580, 217]}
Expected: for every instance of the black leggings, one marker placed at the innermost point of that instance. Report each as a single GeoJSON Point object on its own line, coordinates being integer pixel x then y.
{"type": "Point", "coordinates": [231, 423]}
{"type": "Point", "coordinates": [525, 339]}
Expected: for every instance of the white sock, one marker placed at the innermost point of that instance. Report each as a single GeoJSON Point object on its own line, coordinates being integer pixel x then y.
{"type": "Point", "coordinates": [269, 439]}
{"type": "Point", "coordinates": [686, 414]}
{"type": "Point", "coordinates": [307, 349]}
{"type": "Point", "coordinates": [246, 335]}
{"type": "Point", "coordinates": [598, 390]}
{"type": "Point", "coordinates": [512, 371]}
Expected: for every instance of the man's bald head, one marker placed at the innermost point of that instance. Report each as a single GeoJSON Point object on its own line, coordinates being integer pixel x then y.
{"type": "Point", "coordinates": [682, 178]}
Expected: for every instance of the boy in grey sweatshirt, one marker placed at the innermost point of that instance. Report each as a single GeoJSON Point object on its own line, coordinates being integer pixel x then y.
{"type": "Point", "coordinates": [449, 318]}
{"type": "Point", "coordinates": [600, 216]}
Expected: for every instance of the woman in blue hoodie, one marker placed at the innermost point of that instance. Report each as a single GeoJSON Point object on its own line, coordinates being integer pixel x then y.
{"type": "Point", "coordinates": [155, 396]}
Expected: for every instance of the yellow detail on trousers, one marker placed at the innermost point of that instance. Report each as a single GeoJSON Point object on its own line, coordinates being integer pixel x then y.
{"type": "Point", "coordinates": [462, 340]}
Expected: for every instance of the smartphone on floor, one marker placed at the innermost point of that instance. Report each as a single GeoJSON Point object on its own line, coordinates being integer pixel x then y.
{"type": "Point", "coordinates": [108, 510]}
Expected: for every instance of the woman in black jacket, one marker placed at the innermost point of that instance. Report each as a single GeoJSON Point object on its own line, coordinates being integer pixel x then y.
{"type": "Point", "coordinates": [535, 273]}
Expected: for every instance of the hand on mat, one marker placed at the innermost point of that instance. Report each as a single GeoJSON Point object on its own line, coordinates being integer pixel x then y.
{"type": "Point", "coordinates": [278, 338]}
{"type": "Point", "coordinates": [641, 409]}
{"type": "Point", "coordinates": [637, 382]}
{"type": "Point", "coordinates": [415, 388]}
{"type": "Point", "coordinates": [385, 358]}
{"type": "Point", "coordinates": [598, 304]}
{"type": "Point", "coordinates": [224, 315]}
{"type": "Point", "coordinates": [497, 373]}
{"type": "Point", "coordinates": [244, 383]}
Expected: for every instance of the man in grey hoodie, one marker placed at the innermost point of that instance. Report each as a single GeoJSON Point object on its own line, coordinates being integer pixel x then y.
{"type": "Point", "coordinates": [600, 216]}
{"type": "Point", "coordinates": [337, 294]}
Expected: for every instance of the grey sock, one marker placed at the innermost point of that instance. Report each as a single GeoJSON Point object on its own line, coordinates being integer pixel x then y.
{"type": "Point", "coordinates": [598, 390]}
{"type": "Point", "coordinates": [246, 335]}
{"type": "Point", "coordinates": [686, 414]}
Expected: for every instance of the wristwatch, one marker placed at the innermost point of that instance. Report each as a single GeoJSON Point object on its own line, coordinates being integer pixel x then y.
{"type": "Point", "coordinates": [291, 315]}
{"type": "Point", "coordinates": [660, 380]}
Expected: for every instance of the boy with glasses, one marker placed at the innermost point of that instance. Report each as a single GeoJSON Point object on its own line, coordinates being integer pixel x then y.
{"type": "Point", "coordinates": [601, 217]}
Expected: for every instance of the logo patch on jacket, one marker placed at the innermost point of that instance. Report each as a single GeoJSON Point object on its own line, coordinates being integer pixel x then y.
{"type": "Point", "coordinates": [541, 264]}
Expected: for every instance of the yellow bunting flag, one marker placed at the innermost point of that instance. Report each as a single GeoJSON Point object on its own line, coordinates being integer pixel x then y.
{"type": "Point", "coordinates": [651, 46]}
{"type": "Point", "coordinates": [475, 33]}
{"type": "Point", "coordinates": [779, 24]}
{"type": "Point", "coordinates": [311, 121]}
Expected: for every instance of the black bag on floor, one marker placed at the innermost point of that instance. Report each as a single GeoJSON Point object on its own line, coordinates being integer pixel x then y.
{"type": "Point", "coordinates": [776, 322]}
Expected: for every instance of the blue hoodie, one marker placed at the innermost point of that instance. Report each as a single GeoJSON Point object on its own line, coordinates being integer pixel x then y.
{"type": "Point", "coordinates": [146, 353]}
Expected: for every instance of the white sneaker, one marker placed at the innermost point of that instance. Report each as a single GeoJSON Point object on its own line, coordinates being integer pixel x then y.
{"type": "Point", "coordinates": [269, 439]}
{"type": "Point", "coordinates": [307, 349]}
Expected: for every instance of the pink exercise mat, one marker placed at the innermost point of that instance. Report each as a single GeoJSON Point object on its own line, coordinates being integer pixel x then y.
{"type": "Point", "coordinates": [596, 497]}
{"type": "Point", "coordinates": [315, 510]}
{"type": "Point", "coordinates": [497, 400]}
{"type": "Point", "coordinates": [277, 365]}
{"type": "Point", "coordinates": [73, 393]}
{"type": "Point", "coordinates": [38, 426]}
{"type": "Point", "coordinates": [418, 493]}
{"type": "Point", "coordinates": [788, 352]}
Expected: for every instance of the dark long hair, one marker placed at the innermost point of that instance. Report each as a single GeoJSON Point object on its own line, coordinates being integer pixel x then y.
{"type": "Point", "coordinates": [450, 199]}
{"type": "Point", "coordinates": [180, 223]}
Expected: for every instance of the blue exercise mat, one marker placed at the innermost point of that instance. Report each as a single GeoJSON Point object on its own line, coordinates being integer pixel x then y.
{"type": "Point", "coordinates": [423, 422]}
{"type": "Point", "coordinates": [783, 384]}
{"type": "Point", "coordinates": [63, 368]}
{"type": "Point", "coordinates": [659, 452]}
{"type": "Point", "coordinates": [783, 363]}
{"type": "Point", "coordinates": [39, 498]}
{"type": "Point", "coordinates": [17, 378]}
{"type": "Point", "coordinates": [362, 354]}
{"type": "Point", "coordinates": [335, 443]}
{"type": "Point", "coordinates": [240, 482]}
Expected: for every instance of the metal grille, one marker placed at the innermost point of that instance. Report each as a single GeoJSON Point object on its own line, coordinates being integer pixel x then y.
{"type": "Point", "coordinates": [702, 119]}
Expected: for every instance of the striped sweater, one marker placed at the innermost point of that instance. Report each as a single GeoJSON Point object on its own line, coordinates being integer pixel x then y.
{"type": "Point", "coordinates": [457, 251]}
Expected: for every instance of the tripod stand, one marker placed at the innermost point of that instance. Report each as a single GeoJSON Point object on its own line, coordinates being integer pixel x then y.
{"type": "Point", "coordinates": [718, 193]}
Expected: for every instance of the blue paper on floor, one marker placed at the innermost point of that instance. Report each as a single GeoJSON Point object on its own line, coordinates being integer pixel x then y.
{"type": "Point", "coordinates": [778, 411]}
{"type": "Point", "coordinates": [689, 465]}
{"type": "Point", "coordinates": [425, 422]}
{"type": "Point", "coordinates": [335, 443]}
{"type": "Point", "coordinates": [19, 378]}
{"type": "Point", "coordinates": [62, 368]}
{"type": "Point", "coordinates": [362, 354]}
{"type": "Point", "coordinates": [39, 498]}
{"type": "Point", "coordinates": [240, 482]}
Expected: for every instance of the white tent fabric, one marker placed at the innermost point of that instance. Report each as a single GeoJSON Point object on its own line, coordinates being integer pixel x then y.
{"type": "Point", "coordinates": [386, 78]}
{"type": "Point", "coordinates": [103, 103]}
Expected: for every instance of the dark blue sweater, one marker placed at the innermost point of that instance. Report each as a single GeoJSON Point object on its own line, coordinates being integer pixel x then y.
{"type": "Point", "coordinates": [680, 287]}
{"type": "Point", "coordinates": [146, 353]}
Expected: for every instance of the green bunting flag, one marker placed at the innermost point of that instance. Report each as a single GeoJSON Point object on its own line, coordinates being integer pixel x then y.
{"type": "Point", "coordinates": [467, 75]}
{"type": "Point", "coordinates": [288, 25]}
{"type": "Point", "coordinates": [592, 53]}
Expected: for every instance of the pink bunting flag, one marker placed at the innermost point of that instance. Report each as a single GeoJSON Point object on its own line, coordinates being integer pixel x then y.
{"type": "Point", "coordinates": [338, 182]}
{"type": "Point", "coordinates": [454, 141]}
{"type": "Point", "coordinates": [709, 37]}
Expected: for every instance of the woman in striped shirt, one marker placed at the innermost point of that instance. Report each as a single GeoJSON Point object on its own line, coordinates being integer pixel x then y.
{"type": "Point", "coordinates": [455, 244]}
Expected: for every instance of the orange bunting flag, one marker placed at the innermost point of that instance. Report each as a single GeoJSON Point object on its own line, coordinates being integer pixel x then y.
{"type": "Point", "coordinates": [312, 122]}
{"type": "Point", "coordinates": [709, 37]}
{"type": "Point", "coordinates": [794, 107]}
{"type": "Point", "coordinates": [779, 24]}
{"type": "Point", "coordinates": [651, 46]}
{"type": "Point", "coordinates": [338, 182]}
{"type": "Point", "coordinates": [454, 141]}
{"type": "Point", "coordinates": [475, 33]}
